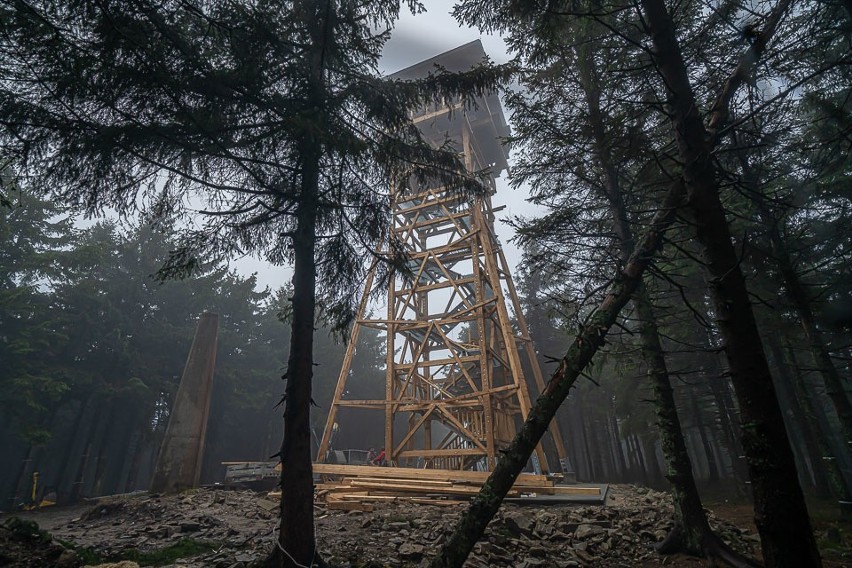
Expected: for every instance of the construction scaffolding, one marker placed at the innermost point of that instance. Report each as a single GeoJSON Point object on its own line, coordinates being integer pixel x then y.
{"type": "Point", "coordinates": [458, 348]}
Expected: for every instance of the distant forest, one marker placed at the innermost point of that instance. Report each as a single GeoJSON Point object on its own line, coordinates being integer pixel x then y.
{"type": "Point", "coordinates": [93, 344]}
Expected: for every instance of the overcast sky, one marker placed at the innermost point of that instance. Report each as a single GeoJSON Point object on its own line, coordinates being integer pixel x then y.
{"type": "Point", "coordinates": [415, 39]}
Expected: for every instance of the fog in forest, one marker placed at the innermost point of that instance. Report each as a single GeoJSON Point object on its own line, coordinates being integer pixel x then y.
{"type": "Point", "coordinates": [618, 246]}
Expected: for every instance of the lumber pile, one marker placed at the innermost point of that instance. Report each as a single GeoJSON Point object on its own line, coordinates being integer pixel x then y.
{"type": "Point", "coordinates": [352, 487]}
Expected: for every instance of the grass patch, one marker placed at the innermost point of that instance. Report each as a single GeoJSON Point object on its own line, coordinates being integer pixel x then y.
{"type": "Point", "coordinates": [184, 548]}
{"type": "Point", "coordinates": [87, 555]}
{"type": "Point", "coordinates": [26, 529]}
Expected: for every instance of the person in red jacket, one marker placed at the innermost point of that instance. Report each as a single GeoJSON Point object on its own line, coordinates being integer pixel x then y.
{"type": "Point", "coordinates": [380, 458]}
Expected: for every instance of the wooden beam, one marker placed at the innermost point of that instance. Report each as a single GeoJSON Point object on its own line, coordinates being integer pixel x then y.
{"type": "Point", "coordinates": [412, 473]}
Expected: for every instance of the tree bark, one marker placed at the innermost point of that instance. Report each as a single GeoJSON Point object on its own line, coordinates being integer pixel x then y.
{"type": "Point", "coordinates": [730, 436]}
{"type": "Point", "coordinates": [703, 436]}
{"type": "Point", "coordinates": [780, 512]}
{"type": "Point", "coordinates": [691, 532]}
{"type": "Point", "coordinates": [829, 461]}
{"type": "Point", "coordinates": [799, 297]}
{"type": "Point", "coordinates": [579, 355]}
{"type": "Point", "coordinates": [618, 448]}
{"type": "Point", "coordinates": [297, 538]}
{"type": "Point", "coordinates": [297, 543]}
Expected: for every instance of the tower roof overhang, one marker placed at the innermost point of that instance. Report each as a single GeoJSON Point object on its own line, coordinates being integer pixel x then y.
{"type": "Point", "coordinates": [485, 116]}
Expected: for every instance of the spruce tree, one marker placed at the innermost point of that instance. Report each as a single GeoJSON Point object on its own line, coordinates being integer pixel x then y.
{"type": "Point", "coordinates": [262, 127]}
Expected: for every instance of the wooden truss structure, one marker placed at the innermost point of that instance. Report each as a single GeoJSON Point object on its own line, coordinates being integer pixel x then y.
{"type": "Point", "coordinates": [457, 361]}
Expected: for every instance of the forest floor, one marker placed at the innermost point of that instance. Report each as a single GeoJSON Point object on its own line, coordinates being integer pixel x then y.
{"type": "Point", "coordinates": [234, 529]}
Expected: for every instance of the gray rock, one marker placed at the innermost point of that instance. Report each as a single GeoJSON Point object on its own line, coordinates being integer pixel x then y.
{"type": "Point", "coordinates": [68, 559]}
{"type": "Point", "coordinates": [398, 526]}
{"type": "Point", "coordinates": [586, 531]}
{"type": "Point", "coordinates": [411, 551]}
{"type": "Point", "coordinates": [519, 524]}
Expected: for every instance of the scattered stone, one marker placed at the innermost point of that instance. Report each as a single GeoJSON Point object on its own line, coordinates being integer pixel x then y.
{"type": "Point", "coordinates": [520, 524]}
{"type": "Point", "coordinates": [411, 551]}
{"type": "Point", "coordinates": [586, 531]}
{"type": "Point", "coordinates": [399, 526]}
{"type": "Point", "coordinates": [267, 505]}
{"type": "Point", "coordinates": [241, 528]}
{"type": "Point", "coordinates": [67, 559]}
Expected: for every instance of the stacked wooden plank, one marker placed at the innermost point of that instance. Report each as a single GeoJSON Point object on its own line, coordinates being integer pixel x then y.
{"type": "Point", "coordinates": [350, 487]}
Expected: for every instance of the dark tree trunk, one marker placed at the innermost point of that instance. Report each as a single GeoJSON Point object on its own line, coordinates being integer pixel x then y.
{"type": "Point", "coordinates": [70, 454]}
{"type": "Point", "coordinates": [801, 421]}
{"type": "Point", "coordinates": [641, 469]}
{"type": "Point", "coordinates": [25, 477]}
{"type": "Point", "coordinates": [296, 539]}
{"type": "Point", "coordinates": [730, 436]}
{"type": "Point", "coordinates": [580, 353]}
{"type": "Point", "coordinates": [691, 532]}
{"type": "Point", "coordinates": [592, 457]}
{"type": "Point", "coordinates": [73, 474]}
{"type": "Point", "coordinates": [297, 515]}
{"type": "Point", "coordinates": [799, 297]}
{"type": "Point", "coordinates": [704, 437]}
{"type": "Point", "coordinates": [104, 456]}
{"type": "Point", "coordinates": [618, 448]}
{"type": "Point", "coordinates": [780, 513]}
{"type": "Point", "coordinates": [830, 463]}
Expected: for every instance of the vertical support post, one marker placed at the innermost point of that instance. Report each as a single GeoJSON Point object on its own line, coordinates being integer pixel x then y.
{"type": "Point", "coordinates": [390, 395]}
{"type": "Point", "coordinates": [180, 457]}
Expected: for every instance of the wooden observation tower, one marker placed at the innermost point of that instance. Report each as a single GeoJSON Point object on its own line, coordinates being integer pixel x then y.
{"type": "Point", "coordinates": [458, 348]}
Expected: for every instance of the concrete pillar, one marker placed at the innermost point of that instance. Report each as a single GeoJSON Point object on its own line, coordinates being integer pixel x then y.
{"type": "Point", "coordinates": [179, 461]}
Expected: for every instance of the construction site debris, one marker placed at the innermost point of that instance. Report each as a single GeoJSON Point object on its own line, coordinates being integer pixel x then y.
{"type": "Point", "coordinates": [239, 529]}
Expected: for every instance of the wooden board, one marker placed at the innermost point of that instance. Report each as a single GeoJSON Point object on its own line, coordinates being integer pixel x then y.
{"type": "Point", "coordinates": [476, 477]}
{"type": "Point", "coordinates": [575, 490]}
{"type": "Point", "coordinates": [403, 488]}
{"type": "Point", "coordinates": [349, 506]}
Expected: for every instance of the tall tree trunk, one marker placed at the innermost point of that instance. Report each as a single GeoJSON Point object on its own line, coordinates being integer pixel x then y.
{"type": "Point", "coordinates": [799, 297]}
{"type": "Point", "coordinates": [829, 461]}
{"type": "Point", "coordinates": [25, 477]}
{"type": "Point", "coordinates": [730, 436]}
{"type": "Point", "coordinates": [618, 448]}
{"type": "Point", "coordinates": [801, 421]}
{"type": "Point", "coordinates": [580, 353]}
{"type": "Point", "coordinates": [297, 519]}
{"type": "Point", "coordinates": [593, 463]}
{"type": "Point", "coordinates": [691, 532]}
{"type": "Point", "coordinates": [297, 538]}
{"type": "Point", "coordinates": [703, 436]}
{"type": "Point", "coordinates": [102, 446]}
{"type": "Point", "coordinates": [780, 513]}
{"type": "Point", "coordinates": [643, 463]}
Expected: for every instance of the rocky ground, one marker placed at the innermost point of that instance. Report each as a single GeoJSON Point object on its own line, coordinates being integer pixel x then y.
{"type": "Point", "coordinates": [234, 529]}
